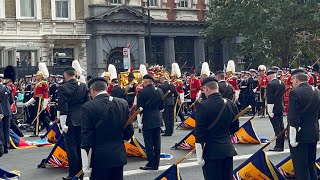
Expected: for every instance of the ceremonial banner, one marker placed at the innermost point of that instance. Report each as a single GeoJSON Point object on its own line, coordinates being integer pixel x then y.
{"type": "Point", "coordinates": [258, 166]}
{"type": "Point", "coordinates": [187, 142]}
{"type": "Point", "coordinates": [57, 157]}
{"type": "Point", "coordinates": [17, 142]}
{"type": "Point", "coordinates": [247, 135]}
{"type": "Point", "coordinates": [189, 123]}
{"type": "Point", "coordinates": [135, 149]}
{"type": "Point", "coordinates": [286, 168]}
{"type": "Point", "coordinates": [170, 174]}
{"type": "Point", "coordinates": [53, 134]}
{"type": "Point", "coordinates": [12, 175]}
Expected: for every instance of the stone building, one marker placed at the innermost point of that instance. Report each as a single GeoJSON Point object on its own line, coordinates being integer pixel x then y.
{"type": "Point", "coordinates": [176, 27]}
{"type": "Point", "coordinates": [52, 31]}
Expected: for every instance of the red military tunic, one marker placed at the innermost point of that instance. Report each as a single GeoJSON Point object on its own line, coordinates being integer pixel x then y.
{"type": "Point", "coordinates": [109, 89]}
{"type": "Point", "coordinates": [318, 80]}
{"type": "Point", "coordinates": [233, 81]}
{"type": "Point", "coordinates": [286, 78]}
{"type": "Point", "coordinates": [14, 93]}
{"type": "Point", "coordinates": [41, 90]}
{"type": "Point", "coordinates": [263, 82]}
{"type": "Point", "coordinates": [310, 79]}
{"type": "Point", "coordinates": [195, 87]}
{"type": "Point", "coordinates": [179, 86]}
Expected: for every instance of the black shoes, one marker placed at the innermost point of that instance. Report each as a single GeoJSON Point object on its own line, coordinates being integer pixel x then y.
{"type": "Point", "coordinates": [276, 149]}
{"type": "Point", "coordinates": [148, 168]}
{"type": "Point", "coordinates": [166, 135]}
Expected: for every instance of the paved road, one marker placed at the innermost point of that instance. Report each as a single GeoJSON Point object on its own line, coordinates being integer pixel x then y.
{"type": "Point", "coordinates": [26, 160]}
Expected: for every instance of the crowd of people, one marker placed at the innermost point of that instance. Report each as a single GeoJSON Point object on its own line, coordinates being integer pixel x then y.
{"type": "Point", "coordinates": [93, 112]}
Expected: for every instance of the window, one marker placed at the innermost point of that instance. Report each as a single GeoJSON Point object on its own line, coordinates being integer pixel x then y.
{"type": "Point", "coordinates": [27, 8]}
{"type": "Point", "coordinates": [184, 48]}
{"type": "Point", "coordinates": [115, 1]}
{"type": "Point", "coordinates": [183, 3]}
{"type": "Point", "coordinates": [153, 2]}
{"type": "Point", "coordinates": [157, 51]}
{"type": "Point", "coordinates": [2, 9]}
{"type": "Point", "coordinates": [62, 8]}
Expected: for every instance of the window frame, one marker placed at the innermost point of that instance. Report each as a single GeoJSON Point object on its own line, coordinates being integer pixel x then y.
{"type": "Point", "coordinates": [156, 1]}
{"type": "Point", "coordinates": [112, 3]}
{"type": "Point", "coordinates": [3, 10]}
{"type": "Point", "coordinates": [37, 10]}
{"type": "Point", "coordinates": [71, 10]}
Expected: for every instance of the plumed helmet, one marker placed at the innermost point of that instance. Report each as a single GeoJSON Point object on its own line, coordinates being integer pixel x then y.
{"type": "Point", "coordinates": [205, 69]}
{"type": "Point", "coordinates": [10, 73]}
{"type": "Point", "coordinates": [143, 70]}
{"type": "Point", "coordinates": [231, 67]}
{"type": "Point", "coordinates": [77, 67]}
{"type": "Point", "coordinates": [43, 70]}
{"type": "Point", "coordinates": [262, 68]}
{"type": "Point", "coordinates": [113, 71]}
{"type": "Point", "coordinates": [175, 70]}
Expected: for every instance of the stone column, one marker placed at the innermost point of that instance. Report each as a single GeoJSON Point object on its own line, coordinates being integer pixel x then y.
{"type": "Point", "coordinates": [142, 50]}
{"type": "Point", "coordinates": [83, 56]}
{"type": "Point", "coordinates": [198, 51]}
{"type": "Point", "coordinates": [99, 51]}
{"type": "Point", "coordinates": [171, 51]}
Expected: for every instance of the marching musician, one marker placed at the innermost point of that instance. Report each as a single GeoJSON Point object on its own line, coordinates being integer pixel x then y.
{"type": "Point", "coordinates": [53, 88]}
{"type": "Point", "coordinates": [232, 79]}
{"type": "Point", "coordinates": [205, 72]}
{"type": "Point", "coordinates": [194, 85]}
{"type": "Point", "coordinates": [41, 99]}
{"type": "Point", "coordinates": [252, 85]}
{"type": "Point", "coordinates": [286, 79]}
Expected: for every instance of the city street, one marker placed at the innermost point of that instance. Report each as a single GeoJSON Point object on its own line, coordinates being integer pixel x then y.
{"type": "Point", "coordinates": [26, 160]}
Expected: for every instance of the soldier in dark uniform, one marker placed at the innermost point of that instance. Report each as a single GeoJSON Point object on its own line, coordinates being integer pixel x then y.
{"type": "Point", "coordinates": [27, 96]}
{"type": "Point", "coordinates": [117, 91]}
{"type": "Point", "coordinates": [150, 99]}
{"type": "Point", "coordinates": [275, 92]}
{"type": "Point", "coordinates": [169, 102]}
{"type": "Point", "coordinates": [243, 96]}
{"type": "Point", "coordinates": [71, 96]}
{"type": "Point", "coordinates": [103, 132]}
{"type": "Point", "coordinates": [213, 147]}
{"type": "Point", "coordinates": [252, 85]}
{"type": "Point", "coordinates": [303, 116]}
{"type": "Point", "coordinates": [130, 90]}
{"type": "Point", "coordinates": [225, 89]}
{"type": "Point", "coordinates": [53, 88]}
{"type": "Point", "coordinates": [6, 99]}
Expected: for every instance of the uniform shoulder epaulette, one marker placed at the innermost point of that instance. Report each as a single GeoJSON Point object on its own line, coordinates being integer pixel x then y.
{"type": "Point", "coordinates": [43, 82]}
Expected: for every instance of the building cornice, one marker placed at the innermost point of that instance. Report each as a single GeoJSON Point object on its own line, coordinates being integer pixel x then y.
{"type": "Point", "coordinates": [67, 37]}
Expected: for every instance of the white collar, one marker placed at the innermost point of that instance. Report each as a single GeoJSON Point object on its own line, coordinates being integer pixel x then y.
{"type": "Point", "coordinates": [102, 92]}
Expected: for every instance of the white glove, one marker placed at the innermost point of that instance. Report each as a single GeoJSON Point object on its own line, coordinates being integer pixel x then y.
{"type": "Point", "coordinates": [139, 118]}
{"type": "Point", "coordinates": [198, 96]}
{"type": "Point", "coordinates": [162, 110]}
{"type": "Point", "coordinates": [45, 103]}
{"type": "Point", "coordinates": [293, 136]}
{"type": "Point", "coordinates": [254, 90]}
{"type": "Point", "coordinates": [236, 94]}
{"type": "Point", "coordinates": [181, 98]}
{"type": "Point", "coordinates": [199, 152]}
{"type": "Point", "coordinates": [135, 101]}
{"type": "Point", "coordinates": [270, 110]}
{"type": "Point", "coordinates": [86, 162]}
{"type": "Point", "coordinates": [63, 122]}
{"type": "Point", "coordinates": [31, 101]}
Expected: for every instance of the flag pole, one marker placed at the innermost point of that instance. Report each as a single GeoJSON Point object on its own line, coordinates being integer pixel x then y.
{"type": "Point", "coordinates": [185, 157]}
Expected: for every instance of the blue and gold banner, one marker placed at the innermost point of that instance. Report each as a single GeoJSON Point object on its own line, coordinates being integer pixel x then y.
{"type": "Point", "coordinates": [258, 166]}
{"type": "Point", "coordinates": [57, 157]}
{"type": "Point", "coordinates": [170, 174]}
{"type": "Point", "coordinates": [12, 175]}
{"type": "Point", "coordinates": [286, 168]}
{"type": "Point", "coordinates": [189, 123]}
{"type": "Point", "coordinates": [53, 134]}
{"type": "Point", "coordinates": [247, 135]}
{"type": "Point", "coordinates": [187, 142]}
{"type": "Point", "coordinates": [135, 149]}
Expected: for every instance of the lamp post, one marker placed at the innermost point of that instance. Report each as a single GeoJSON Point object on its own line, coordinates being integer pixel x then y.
{"type": "Point", "coordinates": [149, 31]}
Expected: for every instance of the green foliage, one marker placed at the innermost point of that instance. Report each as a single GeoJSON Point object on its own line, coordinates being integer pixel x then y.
{"type": "Point", "coordinates": [274, 30]}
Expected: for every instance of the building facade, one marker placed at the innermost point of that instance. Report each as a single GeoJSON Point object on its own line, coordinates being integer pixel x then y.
{"type": "Point", "coordinates": [176, 27]}
{"type": "Point", "coordinates": [51, 31]}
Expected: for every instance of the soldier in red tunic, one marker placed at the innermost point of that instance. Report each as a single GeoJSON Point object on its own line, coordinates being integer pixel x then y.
{"type": "Point", "coordinates": [286, 79]}
{"type": "Point", "coordinates": [194, 85]}
{"type": "Point", "coordinates": [232, 79]}
{"type": "Point", "coordinates": [41, 98]}
{"type": "Point", "coordinates": [261, 89]}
